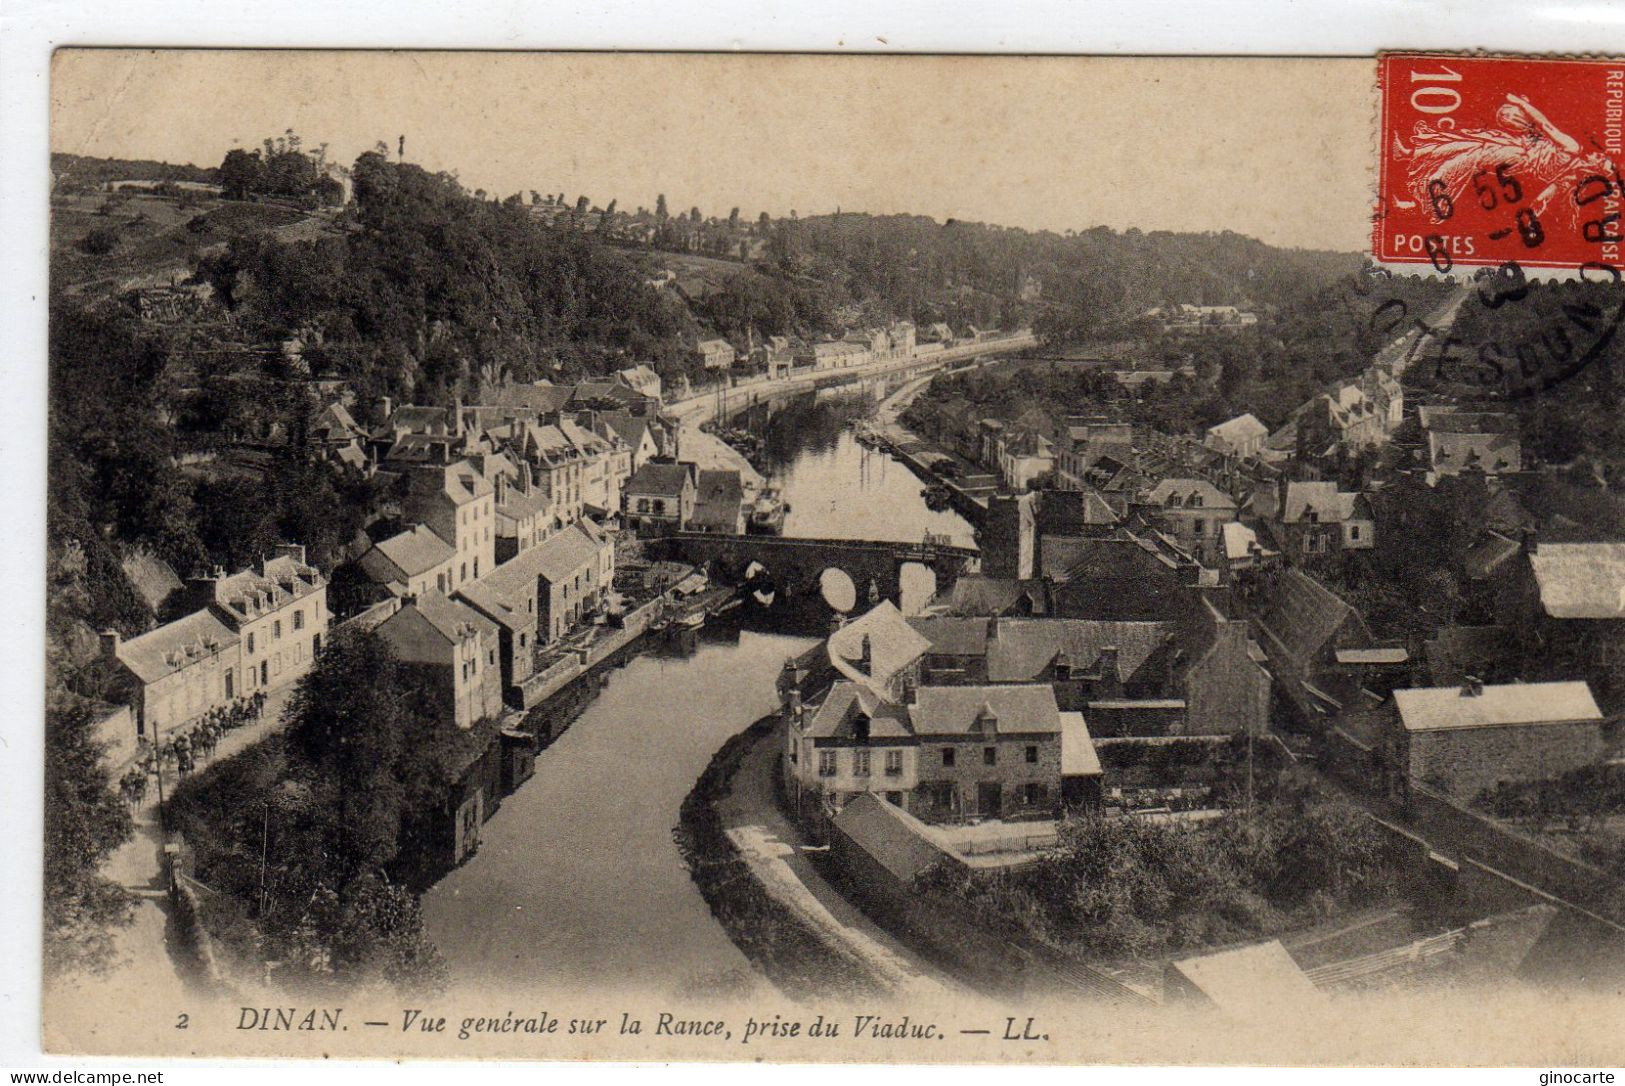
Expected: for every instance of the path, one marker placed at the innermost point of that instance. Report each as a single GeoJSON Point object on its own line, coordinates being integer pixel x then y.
{"type": "Point", "coordinates": [143, 967]}
{"type": "Point", "coordinates": [777, 854]}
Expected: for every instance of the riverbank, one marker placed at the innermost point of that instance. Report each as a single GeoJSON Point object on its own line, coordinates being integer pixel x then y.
{"type": "Point", "coordinates": [756, 871]}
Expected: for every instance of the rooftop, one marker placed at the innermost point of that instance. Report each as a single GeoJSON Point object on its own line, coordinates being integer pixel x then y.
{"type": "Point", "coordinates": [415, 551]}
{"type": "Point", "coordinates": [1580, 580]}
{"type": "Point", "coordinates": [1437, 708]}
{"type": "Point", "coordinates": [176, 645]}
{"type": "Point", "coordinates": [966, 710]}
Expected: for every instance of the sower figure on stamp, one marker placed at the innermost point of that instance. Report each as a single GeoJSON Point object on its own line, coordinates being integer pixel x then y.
{"type": "Point", "coordinates": [1528, 148]}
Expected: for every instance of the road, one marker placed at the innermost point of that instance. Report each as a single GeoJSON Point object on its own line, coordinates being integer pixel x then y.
{"type": "Point", "coordinates": [777, 854]}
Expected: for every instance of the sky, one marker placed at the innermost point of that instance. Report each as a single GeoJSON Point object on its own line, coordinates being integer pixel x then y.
{"type": "Point", "coordinates": [1278, 149]}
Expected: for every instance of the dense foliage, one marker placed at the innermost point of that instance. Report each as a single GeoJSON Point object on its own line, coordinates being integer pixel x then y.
{"type": "Point", "coordinates": [429, 292]}
{"type": "Point", "coordinates": [1130, 888]}
{"type": "Point", "coordinates": [85, 820]}
{"type": "Point", "coordinates": [335, 810]}
{"type": "Point", "coordinates": [80, 172]}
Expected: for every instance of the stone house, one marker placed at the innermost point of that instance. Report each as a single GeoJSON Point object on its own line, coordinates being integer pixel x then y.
{"type": "Point", "coordinates": [947, 754]}
{"type": "Point", "coordinates": [719, 503]}
{"type": "Point", "coordinates": [413, 562]}
{"type": "Point", "coordinates": [716, 354]}
{"type": "Point", "coordinates": [455, 648]}
{"type": "Point", "coordinates": [575, 570]}
{"type": "Point", "coordinates": [457, 503]}
{"type": "Point", "coordinates": [1463, 740]}
{"type": "Point", "coordinates": [1314, 519]}
{"type": "Point", "coordinates": [1193, 512]}
{"type": "Point", "coordinates": [659, 498]}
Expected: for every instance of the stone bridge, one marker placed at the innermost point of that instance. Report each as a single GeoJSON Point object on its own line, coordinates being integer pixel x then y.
{"type": "Point", "coordinates": [795, 565]}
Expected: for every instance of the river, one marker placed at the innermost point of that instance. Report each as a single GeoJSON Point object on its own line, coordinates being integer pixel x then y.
{"type": "Point", "coordinates": [578, 886]}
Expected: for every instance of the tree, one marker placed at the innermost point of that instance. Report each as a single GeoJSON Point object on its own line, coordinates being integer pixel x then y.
{"type": "Point", "coordinates": [84, 822]}
{"type": "Point", "coordinates": [733, 219]}
{"type": "Point", "coordinates": [242, 173]}
{"type": "Point", "coordinates": [763, 223]}
{"type": "Point", "coordinates": [660, 208]}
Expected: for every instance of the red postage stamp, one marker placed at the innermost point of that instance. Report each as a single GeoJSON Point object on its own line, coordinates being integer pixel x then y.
{"type": "Point", "coordinates": [1497, 161]}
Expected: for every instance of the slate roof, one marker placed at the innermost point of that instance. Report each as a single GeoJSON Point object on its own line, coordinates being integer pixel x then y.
{"type": "Point", "coordinates": [892, 837]}
{"type": "Point", "coordinates": [1580, 580]}
{"type": "Point", "coordinates": [893, 644]}
{"type": "Point", "coordinates": [975, 594]}
{"type": "Point", "coordinates": [1491, 452]}
{"type": "Point", "coordinates": [1239, 541]}
{"type": "Point", "coordinates": [425, 629]}
{"type": "Point", "coordinates": [542, 399]}
{"type": "Point", "coordinates": [1303, 614]}
{"type": "Point", "coordinates": [1024, 648]}
{"type": "Point", "coordinates": [953, 636]}
{"type": "Point", "coordinates": [1444, 707]}
{"type": "Point", "coordinates": [150, 576]}
{"type": "Point", "coordinates": [1187, 489]}
{"type": "Point", "coordinates": [719, 499]}
{"type": "Point", "coordinates": [412, 552]}
{"type": "Point", "coordinates": [956, 710]}
{"type": "Point", "coordinates": [175, 645]}
{"type": "Point", "coordinates": [664, 480]}
{"type": "Point", "coordinates": [1488, 554]}
{"type": "Point", "coordinates": [1329, 504]}
{"type": "Point", "coordinates": [560, 556]}
{"type": "Point", "coordinates": [836, 717]}
{"type": "Point", "coordinates": [507, 594]}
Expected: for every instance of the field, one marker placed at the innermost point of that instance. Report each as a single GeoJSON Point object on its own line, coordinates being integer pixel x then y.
{"type": "Point", "coordinates": [154, 240]}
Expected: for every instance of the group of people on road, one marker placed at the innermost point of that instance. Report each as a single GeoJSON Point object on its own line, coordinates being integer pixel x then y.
{"type": "Point", "coordinates": [183, 748]}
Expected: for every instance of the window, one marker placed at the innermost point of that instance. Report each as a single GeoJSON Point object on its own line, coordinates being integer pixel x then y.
{"type": "Point", "coordinates": [990, 755]}
{"type": "Point", "coordinates": [894, 763]}
{"type": "Point", "coordinates": [476, 569]}
{"type": "Point", "coordinates": [463, 572]}
{"type": "Point", "coordinates": [491, 656]}
{"type": "Point", "coordinates": [1197, 526]}
{"type": "Point", "coordinates": [1354, 531]}
{"type": "Point", "coordinates": [1032, 794]}
{"type": "Point", "coordinates": [947, 756]}
{"type": "Point", "coordinates": [826, 763]}
{"type": "Point", "coordinates": [1032, 755]}
{"type": "Point", "coordinates": [298, 620]}
{"type": "Point", "coordinates": [276, 630]}
{"type": "Point", "coordinates": [250, 644]}
{"type": "Point", "coordinates": [860, 763]}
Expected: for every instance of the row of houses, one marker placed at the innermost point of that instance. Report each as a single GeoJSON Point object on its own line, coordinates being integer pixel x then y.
{"type": "Point", "coordinates": [252, 632]}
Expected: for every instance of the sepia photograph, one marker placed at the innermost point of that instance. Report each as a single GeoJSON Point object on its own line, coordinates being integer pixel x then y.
{"type": "Point", "coordinates": [900, 559]}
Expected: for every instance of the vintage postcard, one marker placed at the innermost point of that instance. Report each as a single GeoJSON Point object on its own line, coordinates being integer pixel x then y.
{"type": "Point", "coordinates": [897, 559]}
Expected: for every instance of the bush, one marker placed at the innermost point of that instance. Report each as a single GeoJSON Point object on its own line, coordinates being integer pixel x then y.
{"type": "Point", "coordinates": [99, 241]}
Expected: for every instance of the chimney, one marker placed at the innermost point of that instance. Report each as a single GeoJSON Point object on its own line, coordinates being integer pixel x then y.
{"type": "Point", "coordinates": [1108, 662]}
{"type": "Point", "coordinates": [110, 640]}
{"type": "Point", "coordinates": [386, 407]}
{"type": "Point", "coordinates": [1472, 687]}
{"type": "Point", "coordinates": [865, 658]}
{"type": "Point", "coordinates": [1531, 544]}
